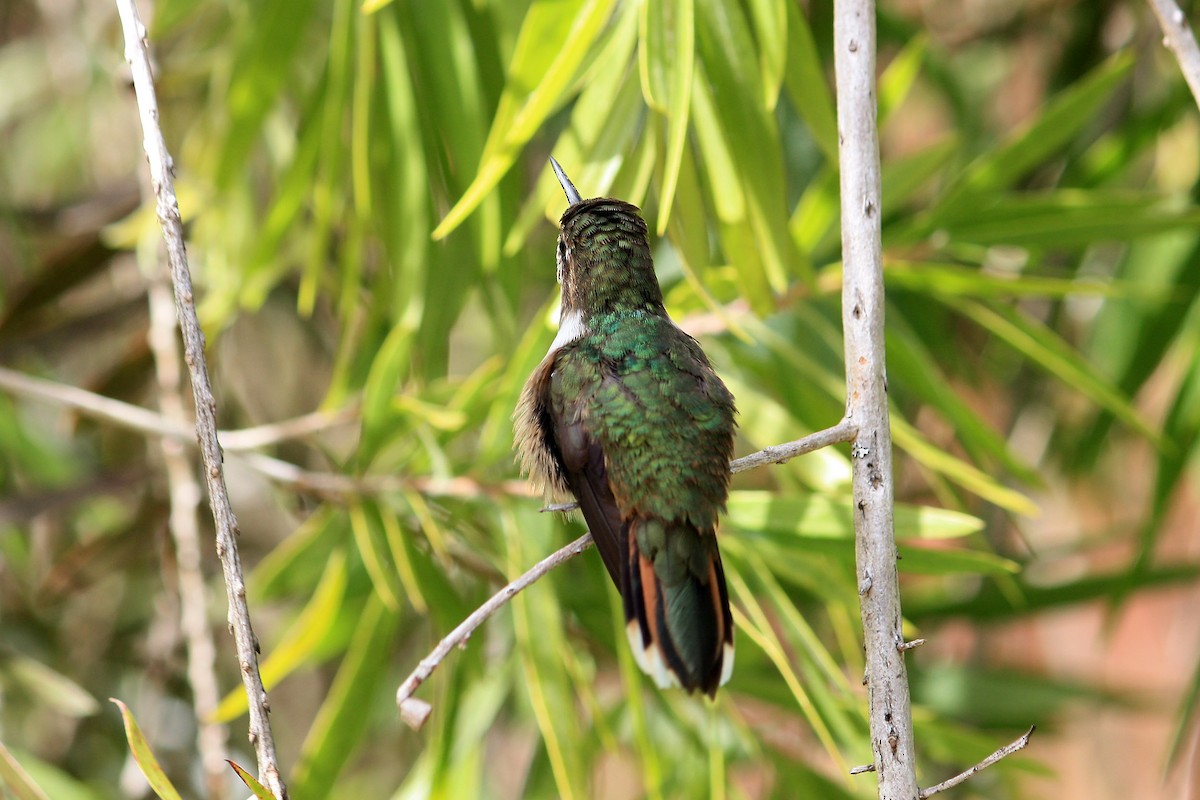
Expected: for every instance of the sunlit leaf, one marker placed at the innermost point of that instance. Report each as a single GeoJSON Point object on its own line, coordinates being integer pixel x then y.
{"type": "Point", "coordinates": [144, 756]}
{"type": "Point", "coordinates": [260, 791]}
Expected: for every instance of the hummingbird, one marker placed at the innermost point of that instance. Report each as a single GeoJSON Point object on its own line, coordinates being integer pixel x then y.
{"type": "Point", "coordinates": [626, 414]}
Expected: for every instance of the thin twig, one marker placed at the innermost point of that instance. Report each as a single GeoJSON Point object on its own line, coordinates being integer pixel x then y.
{"type": "Point", "coordinates": [144, 420]}
{"type": "Point", "coordinates": [416, 712]}
{"type": "Point", "coordinates": [185, 497]}
{"type": "Point", "coordinates": [888, 704]}
{"type": "Point", "coordinates": [844, 431]}
{"type": "Point", "coordinates": [167, 207]}
{"type": "Point", "coordinates": [1180, 40]}
{"type": "Point", "coordinates": [1003, 752]}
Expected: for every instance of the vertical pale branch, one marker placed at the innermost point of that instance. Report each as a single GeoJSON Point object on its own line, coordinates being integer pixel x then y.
{"type": "Point", "coordinates": [185, 532]}
{"type": "Point", "coordinates": [866, 400]}
{"type": "Point", "coordinates": [1180, 40]}
{"type": "Point", "coordinates": [206, 424]}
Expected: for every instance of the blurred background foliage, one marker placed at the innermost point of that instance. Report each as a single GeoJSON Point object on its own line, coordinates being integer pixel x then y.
{"type": "Point", "coordinates": [371, 232]}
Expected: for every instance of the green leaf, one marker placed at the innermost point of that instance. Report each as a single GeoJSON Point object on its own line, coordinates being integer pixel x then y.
{"type": "Point", "coordinates": [1062, 118]}
{"type": "Point", "coordinates": [925, 560]}
{"type": "Point", "coordinates": [301, 639]}
{"type": "Point", "coordinates": [958, 471]}
{"type": "Point", "coordinates": [900, 76]}
{"type": "Point", "coordinates": [826, 517]}
{"type": "Point", "coordinates": [144, 756]}
{"type": "Point", "coordinates": [16, 780]}
{"type": "Point", "coordinates": [340, 722]}
{"type": "Point", "coordinates": [1043, 347]}
{"type": "Point", "coordinates": [539, 627]}
{"type": "Point", "coordinates": [260, 791]}
{"type": "Point", "coordinates": [49, 687]}
{"type": "Point", "coordinates": [555, 38]}
{"type": "Point", "coordinates": [371, 539]}
{"type": "Point", "coordinates": [807, 85]}
{"type": "Point", "coordinates": [992, 603]}
{"type": "Point", "coordinates": [387, 369]}
{"type": "Point", "coordinates": [667, 63]}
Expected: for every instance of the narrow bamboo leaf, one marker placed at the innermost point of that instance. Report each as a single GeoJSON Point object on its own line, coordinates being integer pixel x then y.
{"type": "Point", "coordinates": [1048, 132]}
{"type": "Point", "coordinates": [400, 544]}
{"type": "Point", "coordinates": [555, 38]}
{"type": "Point", "coordinates": [1000, 698]}
{"type": "Point", "coordinates": [260, 791]}
{"type": "Point", "coordinates": [372, 548]}
{"type": "Point", "coordinates": [15, 779]}
{"type": "Point", "coordinates": [903, 176]}
{"type": "Point", "coordinates": [300, 640]}
{"type": "Point", "coordinates": [900, 75]}
{"type": "Point", "coordinates": [823, 516]}
{"type": "Point", "coordinates": [755, 623]}
{"type": "Point", "coordinates": [339, 725]}
{"type": "Point", "coordinates": [408, 216]}
{"type": "Point", "coordinates": [49, 686]}
{"type": "Point", "coordinates": [1158, 280]}
{"type": "Point", "coordinates": [992, 603]}
{"type": "Point", "coordinates": [681, 60]}
{"type": "Point", "coordinates": [912, 366]}
{"type": "Point", "coordinates": [603, 120]}
{"type": "Point", "coordinates": [144, 756]}
{"type": "Point", "coordinates": [831, 691]}
{"type": "Point", "coordinates": [550, 85]}
{"type": "Point", "coordinates": [815, 220]}
{"type": "Point", "coordinates": [726, 49]}
{"type": "Point", "coordinates": [1045, 348]}
{"type": "Point", "coordinates": [958, 471]}
{"type": "Point", "coordinates": [930, 277]}
{"type": "Point", "coordinates": [264, 60]}
{"type": "Point", "coordinates": [807, 85]}
{"type": "Point", "coordinates": [387, 369]}
{"type": "Point", "coordinates": [654, 63]}
{"type": "Point", "coordinates": [298, 561]}
{"type": "Point", "coordinates": [539, 626]}
{"type": "Point", "coordinates": [717, 156]}
{"type": "Point", "coordinates": [769, 19]}
{"type": "Point", "coordinates": [926, 560]}
{"type": "Point", "coordinates": [1064, 218]}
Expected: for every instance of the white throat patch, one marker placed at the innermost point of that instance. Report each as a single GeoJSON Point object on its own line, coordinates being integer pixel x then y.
{"type": "Point", "coordinates": [570, 328]}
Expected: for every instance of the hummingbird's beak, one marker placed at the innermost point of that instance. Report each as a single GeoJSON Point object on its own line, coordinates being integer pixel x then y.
{"type": "Point", "coordinates": [568, 187]}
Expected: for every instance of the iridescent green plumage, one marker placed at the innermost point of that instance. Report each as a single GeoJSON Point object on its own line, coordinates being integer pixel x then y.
{"type": "Point", "coordinates": [626, 414]}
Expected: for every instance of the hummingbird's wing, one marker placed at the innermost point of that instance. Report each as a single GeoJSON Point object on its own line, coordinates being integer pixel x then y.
{"type": "Point", "coordinates": [558, 453]}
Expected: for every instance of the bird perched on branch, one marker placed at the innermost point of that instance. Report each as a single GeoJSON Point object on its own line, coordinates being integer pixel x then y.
{"type": "Point", "coordinates": [626, 414]}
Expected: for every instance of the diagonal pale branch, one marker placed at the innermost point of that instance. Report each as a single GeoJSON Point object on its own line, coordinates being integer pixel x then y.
{"type": "Point", "coordinates": [1003, 752]}
{"type": "Point", "coordinates": [137, 55]}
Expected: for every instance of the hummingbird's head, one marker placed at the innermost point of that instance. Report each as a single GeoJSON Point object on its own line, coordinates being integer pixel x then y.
{"type": "Point", "coordinates": [604, 260]}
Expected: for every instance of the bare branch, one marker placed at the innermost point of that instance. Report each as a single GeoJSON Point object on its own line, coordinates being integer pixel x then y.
{"type": "Point", "coordinates": [185, 497]}
{"type": "Point", "coordinates": [144, 420]}
{"type": "Point", "coordinates": [1003, 752]}
{"type": "Point", "coordinates": [415, 715]}
{"type": "Point", "coordinates": [844, 431]}
{"type": "Point", "coordinates": [889, 706]}
{"type": "Point", "coordinates": [1180, 40]}
{"type": "Point", "coordinates": [205, 405]}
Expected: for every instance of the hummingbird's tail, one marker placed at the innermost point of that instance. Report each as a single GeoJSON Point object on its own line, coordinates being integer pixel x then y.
{"type": "Point", "coordinates": [676, 605]}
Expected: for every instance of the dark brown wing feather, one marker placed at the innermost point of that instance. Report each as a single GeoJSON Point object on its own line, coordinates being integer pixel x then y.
{"type": "Point", "coordinates": [583, 467]}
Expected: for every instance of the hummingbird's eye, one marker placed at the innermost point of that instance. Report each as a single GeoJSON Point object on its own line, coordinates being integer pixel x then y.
{"type": "Point", "coordinates": [562, 260]}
